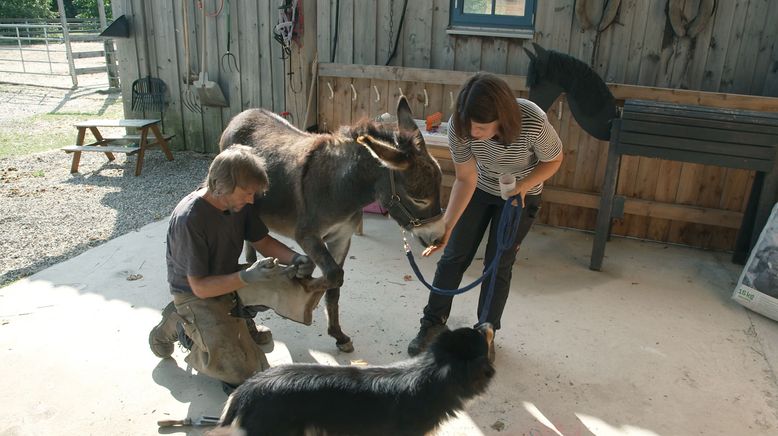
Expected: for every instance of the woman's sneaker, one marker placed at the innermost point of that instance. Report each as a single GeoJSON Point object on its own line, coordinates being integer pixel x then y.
{"type": "Point", "coordinates": [427, 332]}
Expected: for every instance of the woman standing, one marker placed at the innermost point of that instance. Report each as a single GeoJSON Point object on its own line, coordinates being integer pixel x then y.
{"type": "Point", "coordinates": [491, 133]}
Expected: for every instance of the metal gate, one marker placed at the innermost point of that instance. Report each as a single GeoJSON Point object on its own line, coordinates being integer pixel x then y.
{"type": "Point", "coordinates": [68, 48]}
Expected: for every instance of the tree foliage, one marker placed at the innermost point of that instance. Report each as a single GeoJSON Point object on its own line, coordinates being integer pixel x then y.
{"type": "Point", "coordinates": [47, 9]}
{"type": "Point", "coordinates": [27, 9]}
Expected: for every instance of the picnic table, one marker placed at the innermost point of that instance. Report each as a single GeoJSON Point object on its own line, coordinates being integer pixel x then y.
{"type": "Point", "coordinates": [139, 142]}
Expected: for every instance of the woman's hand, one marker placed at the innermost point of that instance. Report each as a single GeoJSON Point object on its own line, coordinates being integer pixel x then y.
{"type": "Point", "coordinates": [521, 190]}
{"type": "Point", "coordinates": [433, 248]}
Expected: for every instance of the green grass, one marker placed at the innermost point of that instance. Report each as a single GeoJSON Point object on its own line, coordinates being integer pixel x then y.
{"type": "Point", "coordinates": [44, 132]}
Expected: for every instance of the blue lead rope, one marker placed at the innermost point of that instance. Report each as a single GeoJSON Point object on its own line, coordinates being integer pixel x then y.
{"type": "Point", "coordinates": [506, 236]}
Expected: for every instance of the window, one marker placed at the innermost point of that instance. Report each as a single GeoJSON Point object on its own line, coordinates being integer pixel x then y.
{"type": "Point", "coordinates": [505, 15]}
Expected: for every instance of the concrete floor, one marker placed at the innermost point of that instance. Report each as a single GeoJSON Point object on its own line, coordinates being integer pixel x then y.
{"type": "Point", "coordinates": [651, 345]}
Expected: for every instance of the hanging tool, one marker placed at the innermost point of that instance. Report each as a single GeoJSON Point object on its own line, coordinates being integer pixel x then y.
{"type": "Point", "coordinates": [203, 421]}
{"type": "Point", "coordinates": [228, 60]}
{"type": "Point", "coordinates": [210, 92]}
{"type": "Point", "coordinates": [189, 98]}
{"type": "Point", "coordinates": [148, 93]}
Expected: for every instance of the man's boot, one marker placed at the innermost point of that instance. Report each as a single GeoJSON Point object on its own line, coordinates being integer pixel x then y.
{"type": "Point", "coordinates": [260, 334]}
{"type": "Point", "coordinates": [427, 332]}
{"type": "Point", "coordinates": [164, 335]}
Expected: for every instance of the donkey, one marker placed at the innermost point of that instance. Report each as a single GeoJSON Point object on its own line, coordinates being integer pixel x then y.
{"type": "Point", "coordinates": [590, 100]}
{"type": "Point", "coordinates": [319, 184]}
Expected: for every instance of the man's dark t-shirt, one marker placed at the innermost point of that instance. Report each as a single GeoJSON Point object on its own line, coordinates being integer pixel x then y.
{"type": "Point", "coordinates": [204, 241]}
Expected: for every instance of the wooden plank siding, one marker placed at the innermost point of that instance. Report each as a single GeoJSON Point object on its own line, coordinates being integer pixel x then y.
{"type": "Point", "coordinates": [668, 201]}
{"type": "Point", "coordinates": [731, 63]}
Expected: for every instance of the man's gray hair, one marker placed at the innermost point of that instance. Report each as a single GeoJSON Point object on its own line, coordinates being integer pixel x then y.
{"type": "Point", "coordinates": [236, 166]}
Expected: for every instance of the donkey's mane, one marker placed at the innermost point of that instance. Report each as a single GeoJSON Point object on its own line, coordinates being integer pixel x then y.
{"type": "Point", "coordinates": [578, 80]}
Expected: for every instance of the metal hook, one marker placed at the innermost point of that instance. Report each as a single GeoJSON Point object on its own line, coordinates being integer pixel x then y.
{"type": "Point", "coordinates": [401, 92]}
{"type": "Point", "coordinates": [332, 93]}
{"type": "Point", "coordinates": [377, 94]}
{"type": "Point", "coordinates": [426, 98]}
{"type": "Point", "coordinates": [353, 93]}
{"type": "Point", "coordinates": [451, 99]}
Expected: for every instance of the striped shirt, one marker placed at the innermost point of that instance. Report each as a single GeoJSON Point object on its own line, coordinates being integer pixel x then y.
{"type": "Point", "coordinates": [538, 142]}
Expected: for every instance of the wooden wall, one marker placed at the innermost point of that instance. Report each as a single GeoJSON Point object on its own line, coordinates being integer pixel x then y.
{"type": "Point", "coordinates": [156, 47]}
{"type": "Point", "coordinates": [666, 201]}
{"type": "Point", "coordinates": [736, 53]}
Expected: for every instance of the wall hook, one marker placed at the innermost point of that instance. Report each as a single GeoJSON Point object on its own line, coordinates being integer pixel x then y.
{"type": "Point", "coordinates": [426, 98]}
{"type": "Point", "coordinates": [353, 93]}
{"type": "Point", "coordinates": [332, 93]}
{"type": "Point", "coordinates": [401, 92]}
{"type": "Point", "coordinates": [451, 99]}
{"type": "Point", "coordinates": [377, 94]}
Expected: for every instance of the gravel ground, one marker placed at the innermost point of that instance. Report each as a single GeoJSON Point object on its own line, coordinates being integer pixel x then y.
{"type": "Point", "coordinates": [48, 215]}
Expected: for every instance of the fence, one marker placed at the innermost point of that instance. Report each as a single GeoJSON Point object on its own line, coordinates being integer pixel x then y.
{"type": "Point", "coordinates": [54, 49]}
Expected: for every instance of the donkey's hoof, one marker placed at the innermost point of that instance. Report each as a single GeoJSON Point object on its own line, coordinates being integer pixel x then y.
{"type": "Point", "coordinates": [346, 347]}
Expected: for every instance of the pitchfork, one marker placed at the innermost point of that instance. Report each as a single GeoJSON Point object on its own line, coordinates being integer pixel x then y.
{"type": "Point", "coordinates": [189, 99]}
{"type": "Point", "coordinates": [228, 60]}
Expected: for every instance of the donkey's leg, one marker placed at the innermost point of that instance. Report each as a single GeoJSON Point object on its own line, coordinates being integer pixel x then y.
{"type": "Point", "coordinates": [338, 245]}
{"type": "Point", "coordinates": [342, 340]}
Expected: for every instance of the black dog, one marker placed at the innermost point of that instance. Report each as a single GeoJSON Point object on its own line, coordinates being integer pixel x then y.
{"type": "Point", "coordinates": [408, 398]}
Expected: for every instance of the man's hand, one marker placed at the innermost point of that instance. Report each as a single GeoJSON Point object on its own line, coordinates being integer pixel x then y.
{"type": "Point", "coordinates": [304, 266]}
{"type": "Point", "coordinates": [263, 270]}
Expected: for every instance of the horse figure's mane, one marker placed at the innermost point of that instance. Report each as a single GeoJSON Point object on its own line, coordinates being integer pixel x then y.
{"type": "Point", "coordinates": [577, 79]}
{"type": "Point", "coordinates": [589, 98]}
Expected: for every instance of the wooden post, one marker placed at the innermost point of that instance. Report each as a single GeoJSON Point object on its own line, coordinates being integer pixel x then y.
{"type": "Point", "coordinates": [602, 228]}
{"type": "Point", "coordinates": [66, 36]}
{"type": "Point", "coordinates": [110, 55]}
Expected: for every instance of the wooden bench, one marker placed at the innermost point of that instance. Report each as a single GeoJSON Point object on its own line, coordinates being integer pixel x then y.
{"type": "Point", "coordinates": [108, 144]}
{"type": "Point", "coordinates": [697, 134]}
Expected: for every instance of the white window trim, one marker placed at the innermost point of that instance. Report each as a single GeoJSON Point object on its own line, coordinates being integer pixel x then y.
{"type": "Point", "coordinates": [496, 32]}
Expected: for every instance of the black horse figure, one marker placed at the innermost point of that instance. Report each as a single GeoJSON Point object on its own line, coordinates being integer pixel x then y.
{"type": "Point", "coordinates": [589, 98]}
{"type": "Point", "coordinates": [319, 184]}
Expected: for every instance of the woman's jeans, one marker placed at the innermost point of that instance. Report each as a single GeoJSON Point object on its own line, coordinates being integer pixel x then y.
{"type": "Point", "coordinates": [484, 210]}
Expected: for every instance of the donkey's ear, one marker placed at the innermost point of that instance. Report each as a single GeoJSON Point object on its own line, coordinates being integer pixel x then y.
{"type": "Point", "coordinates": [389, 156]}
{"type": "Point", "coordinates": [405, 116]}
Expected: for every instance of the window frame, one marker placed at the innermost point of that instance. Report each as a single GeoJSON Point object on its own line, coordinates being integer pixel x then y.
{"type": "Point", "coordinates": [459, 19]}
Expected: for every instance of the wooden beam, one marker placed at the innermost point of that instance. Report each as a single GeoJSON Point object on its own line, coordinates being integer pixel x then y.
{"type": "Point", "coordinates": [404, 74]}
{"type": "Point", "coordinates": [652, 209]}
{"type": "Point", "coordinates": [684, 96]}
{"type": "Point", "coordinates": [519, 83]}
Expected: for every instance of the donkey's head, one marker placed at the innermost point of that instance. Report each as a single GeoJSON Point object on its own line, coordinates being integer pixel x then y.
{"type": "Point", "coordinates": [411, 192]}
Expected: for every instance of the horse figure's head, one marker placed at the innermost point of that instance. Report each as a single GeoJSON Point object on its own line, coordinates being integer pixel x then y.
{"type": "Point", "coordinates": [411, 189]}
{"type": "Point", "coordinates": [589, 98]}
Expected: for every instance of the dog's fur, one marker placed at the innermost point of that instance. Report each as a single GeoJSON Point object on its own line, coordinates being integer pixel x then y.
{"type": "Point", "coordinates": [408, 398]}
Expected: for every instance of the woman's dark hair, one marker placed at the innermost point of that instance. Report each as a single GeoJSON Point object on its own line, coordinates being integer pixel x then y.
{"type": "Point", "coordinates": [485, 98]}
